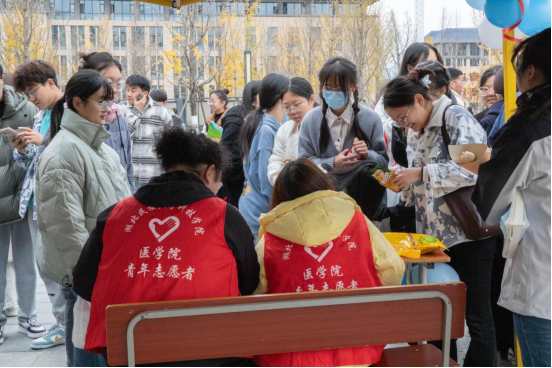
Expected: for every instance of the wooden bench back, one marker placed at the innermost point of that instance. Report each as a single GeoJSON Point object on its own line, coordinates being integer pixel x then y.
{"type": "Point", "coordinates": [267, 331]}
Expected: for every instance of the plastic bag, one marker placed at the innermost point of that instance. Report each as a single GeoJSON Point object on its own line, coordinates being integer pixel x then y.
{"type": "Point", "coordinates": [413, 245]}
{"type": "Point", "coordinates": [81, 317]}
{"type": "Point", "coordinates": [513, 225]}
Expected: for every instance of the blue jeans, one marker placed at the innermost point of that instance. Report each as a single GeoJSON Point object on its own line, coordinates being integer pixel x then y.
{"type": "Point", "coordinates": [534, 340]}
{"type": "Point", "coordinates": [77, 357]}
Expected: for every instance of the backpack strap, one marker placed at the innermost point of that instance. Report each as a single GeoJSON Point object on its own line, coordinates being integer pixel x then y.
{"type": "Point", "coordinates": [444, 133]}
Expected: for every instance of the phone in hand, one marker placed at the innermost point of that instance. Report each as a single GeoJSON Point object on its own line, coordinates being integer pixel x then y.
{"type": "Point", "coordinates": [140, 95]}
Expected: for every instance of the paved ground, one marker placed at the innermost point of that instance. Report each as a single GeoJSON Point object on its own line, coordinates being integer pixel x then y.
{"type": "Point", "coordinates": [16, 352]}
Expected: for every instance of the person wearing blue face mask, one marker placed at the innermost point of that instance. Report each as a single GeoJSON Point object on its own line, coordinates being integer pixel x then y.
{"type": "Point", "coordinates": [341, 132]}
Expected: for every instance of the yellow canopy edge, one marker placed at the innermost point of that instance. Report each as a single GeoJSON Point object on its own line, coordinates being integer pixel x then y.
{"type": "Point", "coordinates": [509, 76]}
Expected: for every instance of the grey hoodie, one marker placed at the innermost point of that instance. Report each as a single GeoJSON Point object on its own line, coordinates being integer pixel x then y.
{"type": "Point", "coordinates": [18, 112]}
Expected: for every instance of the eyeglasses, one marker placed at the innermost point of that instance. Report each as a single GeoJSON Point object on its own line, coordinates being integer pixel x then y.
{"type": "Point", "coordinates": [31, 94]}
{"type": "Point", "coordinates": [485, 91]}
{"type": "Point", "coordinates": [104, 106]}
{"type": "Point", "coordinates": [402, 122]}
{"type": "Point", "coordinates": [118, 86]}
{"type": "Point", "coordinates": [294, 108]}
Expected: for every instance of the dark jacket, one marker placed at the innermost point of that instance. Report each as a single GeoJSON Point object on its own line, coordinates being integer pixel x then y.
{"type": "Point", "coordinates": [18, 112]}
{"type": "Point", "coordinates": [120, 141]}
{"type": "Point", "coordinates": [492, 114]}
{"type": "Point", "coordinates": [233, 178]}
{"type": "Point", "coordinates": [481, 115]}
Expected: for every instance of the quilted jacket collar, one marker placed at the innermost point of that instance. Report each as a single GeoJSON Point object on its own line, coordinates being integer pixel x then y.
{"type": "Point", "coordinates": [91, 134]}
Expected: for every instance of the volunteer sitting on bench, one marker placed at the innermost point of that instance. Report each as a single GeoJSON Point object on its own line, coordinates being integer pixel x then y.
{"type": "Point", "coordinates": [173, 240]}
{"type": "Point", "coordinates": [315, 239]}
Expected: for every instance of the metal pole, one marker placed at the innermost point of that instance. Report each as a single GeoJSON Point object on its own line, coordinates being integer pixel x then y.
{"type": "Point", "coordinates": [247, 66]}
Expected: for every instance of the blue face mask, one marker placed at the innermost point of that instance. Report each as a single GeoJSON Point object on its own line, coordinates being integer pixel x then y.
{"type": "Point", "coordinates": [335, 100]}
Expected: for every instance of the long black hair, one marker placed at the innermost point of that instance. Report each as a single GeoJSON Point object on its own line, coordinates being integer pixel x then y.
{"type": "Point", "coordinates": [83, 85]}
{"type": "Point", "coordinates": [400, 91]}
{"type": "Point", "coordinates": [413, 54]}
{"type": "Point", "coordinates": [269, 95]}
{"type": "Point", "coordinates": [356, 181]}
{"type": "Point", "coordinates": [347, 74]}
{"type": "Point", "coordinates": [99, 61]}
{"type": "Point", "coordinates": [249, 95]}
{"type": "Point", "coordinates": [440, 77]}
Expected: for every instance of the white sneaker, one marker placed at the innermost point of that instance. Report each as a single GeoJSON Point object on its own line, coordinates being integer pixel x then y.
{"type": "Point", "coordinates": [12, 312]}
{"type": "Point", "coordinates": [31, 328]}
{"type": "Point", "coordinates": [54, 336]}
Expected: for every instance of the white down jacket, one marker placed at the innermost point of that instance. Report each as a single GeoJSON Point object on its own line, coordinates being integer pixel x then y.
{"type": "Point", "coordinates": [286, 145]}
{"type": "Point", "coordinates": [77, 178]}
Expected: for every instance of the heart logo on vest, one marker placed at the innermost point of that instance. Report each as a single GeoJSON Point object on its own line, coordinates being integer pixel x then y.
{"type": "Point", "coordinates": [320, 257]}
{"type": "Point", "coordinates": [172, 223]}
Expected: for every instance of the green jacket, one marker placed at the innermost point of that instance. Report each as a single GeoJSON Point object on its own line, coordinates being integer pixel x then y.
{"type": "Point", "coordinates": [18, 112]}
{"type": "Point", "coordinates": [77, 178]}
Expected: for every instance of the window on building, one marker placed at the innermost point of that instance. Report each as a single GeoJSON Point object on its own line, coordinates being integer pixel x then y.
{"type": "Point", "coordinates": [138, 64]}
{"type": "Point", "coordinates": [267, 9]}
{"type": "Point", "coordinates": [122, 10]}
{"type": "Point", "coordinates": [151, 11]}
{"type": "Point", "coordinates": [123, 61]}
{"type": "Point", "coordinates": [462, 49]}
{"type": "Point", "coordinates": [95, 37]}
{"type": "Point", "coordinates": [92, 9]}
{"type": "Point", "coordinates": [139, 37]}
{"type": "Point", "coordinates": [213, 38]}
{"type": "Point", "coordinates": [63, 71]}
{"type": "Point", "coordinates": [63, 9]}
{"type": "Point", "coordinates": [119, 38]}
{"type": "Point", "coordinates": [293, 9]}
{"type": "Point", "coordinates": [474, 62]}
{"type": "Point", "coordinates": [236, 8]}
{"type": "Point", "coordinates": [214, 61]}
{"type": "Point", "coordinates": [157, 68]}
{"type": "Point", "coordinates": [293, 38]}
{"type": "Point", "coordinates": [176, 14]}
{"type": "Point", "coordinates": [321, 9]}
{"type": "Point", "coordinates": [178, 39]}
{"type": "Point", "coordinates": [201, 71]}
{"type": "Point", "coordinates": [251, 38]}
{"type": "Point", "coordinates": [77, 38]}
{"type": "Point", "coordinates": [59, 39]}
{"type": "Point", "coordinates": [209, 11]}
{"type": "Point", "coordinates": [199, 38]}
{"type": "Point", "coordinates": [448, 62]}
{"type": "Point", "coordinates": [474, 49]}
{"type": "Point", "coordinates": [156, 38]}
{"type": "Point", "coordinates": [272, 33]}
{"type": "Point", "coordinates": [448, 49]}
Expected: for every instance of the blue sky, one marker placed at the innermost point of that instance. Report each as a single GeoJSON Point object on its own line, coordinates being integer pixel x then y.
{"type": "Point", "coordinates": [433, 10]}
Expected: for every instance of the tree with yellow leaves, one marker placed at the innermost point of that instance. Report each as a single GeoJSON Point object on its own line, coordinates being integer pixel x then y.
{"type": "Point", "coordinates": [25, 33]}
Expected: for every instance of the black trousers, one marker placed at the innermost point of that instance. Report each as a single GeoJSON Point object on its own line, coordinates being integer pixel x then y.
{"type": "Point", "coordinates": [474, 262]}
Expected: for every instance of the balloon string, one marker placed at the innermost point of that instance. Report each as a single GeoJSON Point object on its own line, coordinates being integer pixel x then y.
{"type": "Point", "coordinates": [506, 30]}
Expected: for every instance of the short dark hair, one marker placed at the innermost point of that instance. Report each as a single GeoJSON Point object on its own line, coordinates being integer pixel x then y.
{"type": "Point", "coordinates": [176, 147]}
{"type": "Point", "coordinates": [298, 179]}
{"type": "Point", "coordinates": [491, 72]}
{"type": "Point", "coordinates": [440, 77]}
{"type": "Point", "coordinates": [534, 50]}
{"type": "Point", "coordinates": [159, 95]}
{"type": "Point", "coordinates": [413, 54]}
{"type": "Point", "coordinates": [137, 80]}
{"type": "Point", "coordinates": [454, 73]}
{"type": "Point", "coordinates": [33, 72]}
{"type": "Point", "coordinates": [99, 61]}
{"type": "Point", "coordinates": [498, 83]}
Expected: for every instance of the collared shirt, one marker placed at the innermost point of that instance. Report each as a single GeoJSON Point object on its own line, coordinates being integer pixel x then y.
{"type": "Point", "coordinates": [340, 125]}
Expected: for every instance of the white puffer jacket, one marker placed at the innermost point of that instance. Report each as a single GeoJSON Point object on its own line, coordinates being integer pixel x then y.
{"type": "Point", "coordinates": [286, 145]}
{"type": "Point", "coordinates": [77, 178]}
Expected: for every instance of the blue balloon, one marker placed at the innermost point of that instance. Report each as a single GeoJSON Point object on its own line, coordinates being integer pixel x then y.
{"type": "Point", "coordinates": [503, 13]}
{"type": "Point", "coordinates": [476, 4]}
{"type": "Point", "coordinates": [442, 272]}
{"type": "Point", "coordinates": [536, 17]}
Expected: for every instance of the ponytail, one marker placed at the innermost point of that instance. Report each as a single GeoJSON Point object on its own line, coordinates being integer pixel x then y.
{"type": "Point", "coordinates": [269, 95]}
{"type": "Point", "coordinates": [55, 118]}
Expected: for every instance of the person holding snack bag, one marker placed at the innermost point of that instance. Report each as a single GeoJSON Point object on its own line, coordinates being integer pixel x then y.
{"type": "Point", "coordinates": [433, 174]}
{"type": "Point", "coordinates": [15, 113]}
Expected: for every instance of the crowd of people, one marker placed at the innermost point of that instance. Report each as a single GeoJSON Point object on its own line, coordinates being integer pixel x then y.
{"type": "Point", "coordinates": [124, 202]}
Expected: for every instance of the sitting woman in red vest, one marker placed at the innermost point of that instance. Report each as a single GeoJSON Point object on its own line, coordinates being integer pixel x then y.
{"type": "Point", "coordinates": [315, 239]}
{"type": "Point", "coordinates": [173, 240]}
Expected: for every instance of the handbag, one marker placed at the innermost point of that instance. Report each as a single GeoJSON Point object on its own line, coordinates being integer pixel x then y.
{"type": "Point", "coordinates": [513, 225]}
{"type": "Point", "coordinates": [462, 207]}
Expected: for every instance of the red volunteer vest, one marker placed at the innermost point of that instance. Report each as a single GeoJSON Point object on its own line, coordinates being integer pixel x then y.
{"type": "Point", "coordinates": [344, 263]}
{"type": "Point", "coordinates": [161, 254]}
